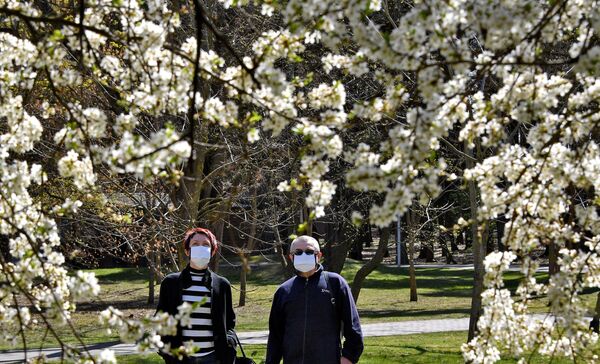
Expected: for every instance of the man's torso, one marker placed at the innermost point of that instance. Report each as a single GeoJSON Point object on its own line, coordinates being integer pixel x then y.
{"type": "Point", "coordinates": [312, 325]}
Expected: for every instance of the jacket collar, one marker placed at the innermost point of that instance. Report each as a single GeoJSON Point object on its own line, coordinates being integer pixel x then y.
{"type": "Point", "coordinates": [315, 275]}
{"type": "Point", "coordinates": [186, 276]}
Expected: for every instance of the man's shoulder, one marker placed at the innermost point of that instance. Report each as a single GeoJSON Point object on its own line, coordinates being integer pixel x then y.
{"type": "Point", "coordinates": [332, 276]}
{"type": "Point", "coordinates": [286, 286]}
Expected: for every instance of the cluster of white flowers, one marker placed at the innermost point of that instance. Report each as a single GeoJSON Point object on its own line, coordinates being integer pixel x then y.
{"type": "Point", "coordinates": [146, 332]}
{"type": "Point", "coordinates": [354, 65]}
{"type": "Point", "coordinates": [82, 171]}
{"type": "Point", "coordinates": [146, 157]}
{"type": "Point", "coordinates": [148, 79]}
{"type": "Point", "coordinates": [23, 129]}
{"type": "Point", "coordinates": [83, 284]}
{"type": "Point", "coordinates": [32, 235]}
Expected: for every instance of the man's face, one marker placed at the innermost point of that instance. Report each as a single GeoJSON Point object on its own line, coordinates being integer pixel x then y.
{"type": "Point", "coordinates": [304, 245]}
{"type": "Point", "coordinates": [200, 240]}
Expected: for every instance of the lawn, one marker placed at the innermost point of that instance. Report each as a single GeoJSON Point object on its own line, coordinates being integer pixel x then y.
{"type": "Point", "coordinates": [443, 293]}
{"type": "Point", "coordinates": [424, 348]}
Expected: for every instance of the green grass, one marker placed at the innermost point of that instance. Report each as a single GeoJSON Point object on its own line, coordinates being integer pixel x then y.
{"type": "Point", "coordinates": [422, 348]}
{"type": "Point", "coordinates": [385, 296]}
{"type": "Point", "coordinates": [443, 293]}
{"type": "Point", "coordinates": [123, 288]}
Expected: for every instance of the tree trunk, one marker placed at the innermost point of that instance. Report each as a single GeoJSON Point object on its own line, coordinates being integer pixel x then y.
{"type": "Point", "coordinates": [468, 239]}
{"type": "Point", "coordinates": [219, 227]}
{"type": "Point", "coordinates": [363, 239]}
{"type": "Point", "coordinates": [479, 250]}
{"type": "Point", "coordinates": [453, 244]}
{"type": "Point", "coordinates": [412, 276]}
{"type": "Point", "coordinates": [460, 239]}
{"type": "Point", "coordinates": [151, 277]}
{"type": "Point", "coordinates": [158, 276]}
{"type": "Point", "coordinates": [553, 267]}
{"type": "Point", "coordinates": [187, 196]}
{"type": "Point", "coordinates": [280, 252]}
{"type": "Point", "coordinates": [426, 253]}
{"type": "Point", "coordinates": [153, 260]}
{"type": "Point", "coordinates": [447, 253]}
{"type": "Point", "coordinates": [306, 219]}
{"type": "Point", "coordinates": [595, 324]}
{"type": "Point", "coordinates": [337, 247]}
{"type": "Point", "coordinates": [245, 251]}
{"type": "Point", "coordinates": [500, 223]}
{"type": "Point", "coordinates": [488, 239]}
{"type": "Point", "coordinates": [372, 264]}
{"type": "Point", "coordinates": [243, 277]}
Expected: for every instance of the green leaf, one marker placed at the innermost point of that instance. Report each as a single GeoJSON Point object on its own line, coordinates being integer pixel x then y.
{"type": "Point", "coordinates": [57, 36]}
{"type": "Point", "coordinates": [254, 118]}
{"type": "Point", "coordinates": [302, 227]}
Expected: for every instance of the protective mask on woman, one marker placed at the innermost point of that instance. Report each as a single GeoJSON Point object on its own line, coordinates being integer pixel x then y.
{"type": "Point", "coordinates": [304, 262]}
{"type": "Point", "coordinates": [200, 256]}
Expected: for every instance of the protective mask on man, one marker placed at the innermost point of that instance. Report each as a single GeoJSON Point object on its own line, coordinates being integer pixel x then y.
{"type": "Point", "coordinates": [304, 262]}
{"type": "Point", "coordinates": [200, 256]}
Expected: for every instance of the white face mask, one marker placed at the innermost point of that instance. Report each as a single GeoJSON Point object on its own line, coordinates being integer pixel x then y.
{"type": "Point", "coordinates": [305, 263]}
{"type": "Point", "coordinates": [200, 256]}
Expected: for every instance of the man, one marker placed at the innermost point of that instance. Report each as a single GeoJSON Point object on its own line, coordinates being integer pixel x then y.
{"type": "Point", "coordinates": [211, 321]}
{"type": "Point", "coordinates": [309, 312]}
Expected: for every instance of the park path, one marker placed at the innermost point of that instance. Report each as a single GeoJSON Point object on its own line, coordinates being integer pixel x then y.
{"type": "Point", "coordinates": [511, 268]}
{"type": "Point", "coordinates": [260, 337]}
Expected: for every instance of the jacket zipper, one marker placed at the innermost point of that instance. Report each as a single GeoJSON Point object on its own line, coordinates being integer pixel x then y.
{"type": "Point", "coordinates": [305, 319]}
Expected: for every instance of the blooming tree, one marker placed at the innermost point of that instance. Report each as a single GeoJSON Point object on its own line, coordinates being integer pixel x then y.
{"type": "Point", "coordinates": [515, 77]}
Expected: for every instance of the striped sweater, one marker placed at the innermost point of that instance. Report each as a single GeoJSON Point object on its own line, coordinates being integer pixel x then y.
{"type": "Point", "coordinates": [201, 330]}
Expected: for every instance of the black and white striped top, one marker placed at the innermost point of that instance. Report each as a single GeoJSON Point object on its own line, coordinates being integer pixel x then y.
{"type": "Point", "coordinates": [201, 331]}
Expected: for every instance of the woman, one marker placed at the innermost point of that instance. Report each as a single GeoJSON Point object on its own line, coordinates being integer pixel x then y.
{"type": "Point", "coordinates": [214, 317]}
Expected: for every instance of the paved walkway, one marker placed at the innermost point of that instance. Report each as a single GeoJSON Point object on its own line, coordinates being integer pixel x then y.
{"type": "Point", "coordinates": [511, 268]}
{"type": "Point", "coordinates": [260, 337]}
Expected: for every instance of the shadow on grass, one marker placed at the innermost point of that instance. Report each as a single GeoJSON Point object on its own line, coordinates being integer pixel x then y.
{"type": "Point", "coordinates": [410, 313]}
{"type": "Point", "coordinates": [98, 346]}
{"type": "Point", "coordinates": [420, 349]}
{"type": "Point", "coordinates": [445, 282]}
{"type": "Point", "coordinates": [121, 305]}
{"type": "Point", "coordinates": [271, 274]}
{"type": "Point", "coordinates": [119, 275]}
{"type": "Point", "coordinates": [410, 354]}
{"type": "Point", "coordinates": [461, 292]}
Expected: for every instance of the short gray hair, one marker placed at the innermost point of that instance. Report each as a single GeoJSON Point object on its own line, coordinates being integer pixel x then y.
{"type": "Point", "coordinates": [308, 239]}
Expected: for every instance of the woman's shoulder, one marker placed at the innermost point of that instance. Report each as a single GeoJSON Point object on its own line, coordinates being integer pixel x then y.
{"type": "Point", "coordinates": [171, 277]}
{"type": "Point", "coordinates": [219, 279]}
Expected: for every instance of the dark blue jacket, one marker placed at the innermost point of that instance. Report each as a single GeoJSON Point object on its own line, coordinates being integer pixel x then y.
{"type": "Point", "coordinates": [306, 318]}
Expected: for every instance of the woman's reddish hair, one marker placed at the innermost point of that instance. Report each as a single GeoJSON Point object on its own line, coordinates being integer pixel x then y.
{"type": "Point", "coordinates": [195, 231]}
